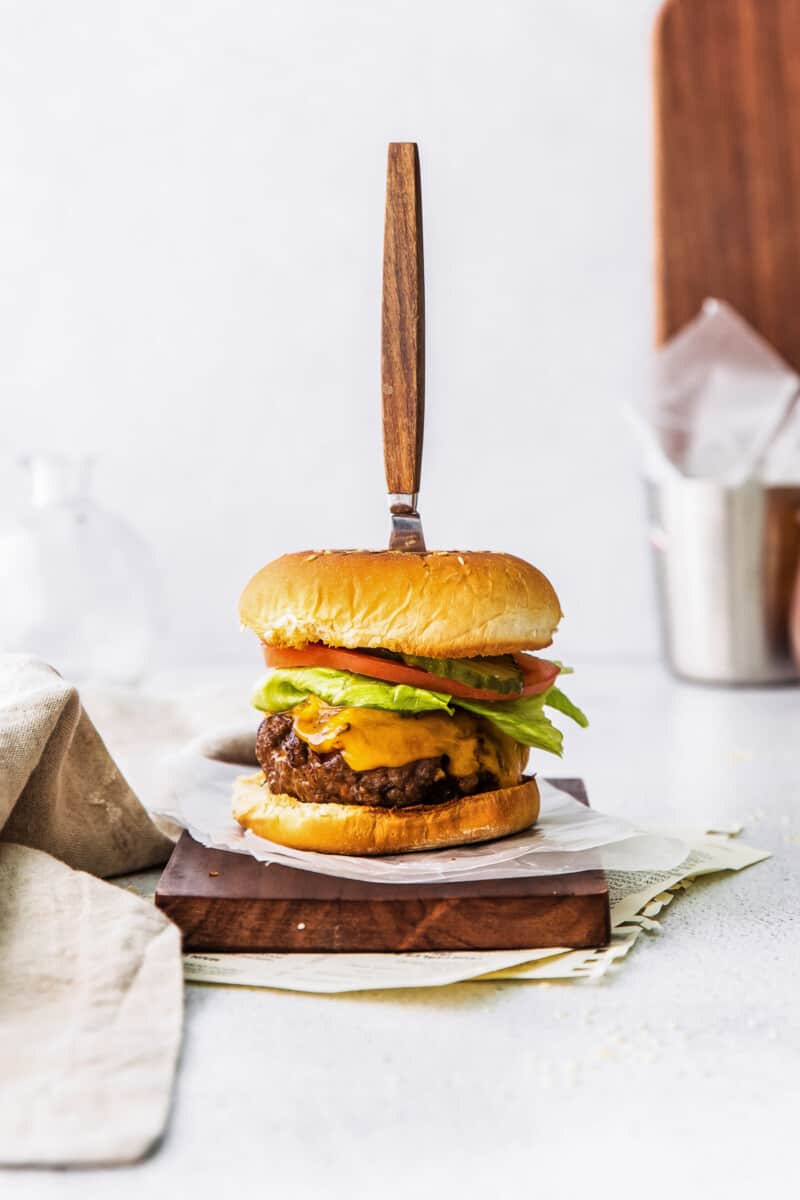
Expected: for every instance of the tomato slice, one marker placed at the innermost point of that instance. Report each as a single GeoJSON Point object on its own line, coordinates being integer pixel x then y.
{"type": "Point", "coordinates": [537, 674]}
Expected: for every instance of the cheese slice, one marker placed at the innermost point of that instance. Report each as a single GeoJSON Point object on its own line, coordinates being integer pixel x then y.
{"type": "Point", "coordinates": [370, 737]}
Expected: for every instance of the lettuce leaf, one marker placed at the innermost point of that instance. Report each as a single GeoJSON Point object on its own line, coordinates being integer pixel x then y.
{"type": "Point", "coordinates": [283, 689]}
{"type": "Point", "coordinates": [523, 719]}
{"type": "Point", "coordinates": [556, 699]}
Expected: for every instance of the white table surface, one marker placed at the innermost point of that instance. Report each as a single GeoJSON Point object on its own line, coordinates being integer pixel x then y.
{"type": "Point", "coordinates": [678, 1073]}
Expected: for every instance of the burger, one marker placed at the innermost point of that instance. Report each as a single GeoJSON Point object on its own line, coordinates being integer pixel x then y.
{"type": "Point", "coordinates": [402, 699]}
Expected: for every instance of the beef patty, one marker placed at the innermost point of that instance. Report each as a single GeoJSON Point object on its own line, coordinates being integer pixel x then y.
{"type": "Point", "coordinates": [292, 768]}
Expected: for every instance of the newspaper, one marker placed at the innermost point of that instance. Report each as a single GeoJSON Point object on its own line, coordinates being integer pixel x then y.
{"type": "Point", "coordinates": [636, 898]}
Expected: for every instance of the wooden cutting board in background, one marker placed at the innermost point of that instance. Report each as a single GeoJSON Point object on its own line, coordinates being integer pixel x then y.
{"type": "Point", "coordinates": [727, 195]}
{"type": "Point", "coordinates": [727, 123]}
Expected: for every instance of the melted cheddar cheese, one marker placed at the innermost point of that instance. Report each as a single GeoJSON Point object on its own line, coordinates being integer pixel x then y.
{"type": "Point", "coordinates": [369, 738]}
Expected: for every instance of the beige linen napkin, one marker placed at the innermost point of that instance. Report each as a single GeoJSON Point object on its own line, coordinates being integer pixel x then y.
{"type": "Point", "coordinates": [90, 975]}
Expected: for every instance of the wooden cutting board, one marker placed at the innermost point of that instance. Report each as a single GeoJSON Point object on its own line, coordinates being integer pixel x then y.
{"type": "Point", "coordinates": [727, 122]}
{"type": "Point", "coordinates": [226, 901]}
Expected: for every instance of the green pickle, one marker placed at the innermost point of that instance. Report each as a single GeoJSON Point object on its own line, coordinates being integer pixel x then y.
{"type": "Point", "coordinates": [492, 674]}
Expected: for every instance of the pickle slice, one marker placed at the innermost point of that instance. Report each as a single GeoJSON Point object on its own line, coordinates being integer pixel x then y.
{"type": "Point", "coordinates": [499, 674]}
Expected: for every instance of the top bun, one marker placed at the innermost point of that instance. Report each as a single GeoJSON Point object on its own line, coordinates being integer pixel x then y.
{"type": "Point", "coordinates": [441, 604]}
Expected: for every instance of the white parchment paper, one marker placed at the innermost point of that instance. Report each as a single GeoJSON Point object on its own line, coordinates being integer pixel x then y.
{"type": "Point", "coordinates": [568, 836]}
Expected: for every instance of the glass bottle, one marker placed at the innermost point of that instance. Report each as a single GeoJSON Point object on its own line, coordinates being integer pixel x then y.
{"type": "Point", "coordinates": [78, 586]}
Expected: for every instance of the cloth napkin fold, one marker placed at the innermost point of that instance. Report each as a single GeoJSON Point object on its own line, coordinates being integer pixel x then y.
{"type": "Point", "coordinates": [90, 975]}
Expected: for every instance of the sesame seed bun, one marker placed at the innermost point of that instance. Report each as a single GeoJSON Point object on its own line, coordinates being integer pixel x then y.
{"type": "Point", "coordinates": [441, 604]}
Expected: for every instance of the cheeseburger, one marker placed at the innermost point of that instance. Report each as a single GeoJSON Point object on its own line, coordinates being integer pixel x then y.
{"type": "Point", "coordinates": [402, 699]}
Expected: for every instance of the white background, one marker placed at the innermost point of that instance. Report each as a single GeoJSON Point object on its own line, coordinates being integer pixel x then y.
{"type": "Point", "coordinates": [192, 210]}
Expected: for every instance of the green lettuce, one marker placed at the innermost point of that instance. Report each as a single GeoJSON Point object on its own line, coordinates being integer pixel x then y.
{"type": "Point", "coordinates": [556, 699]}
{"type": "Point", "coordinates": [523, 719]}
{"type": "Point", "coordinates": [285, 688]}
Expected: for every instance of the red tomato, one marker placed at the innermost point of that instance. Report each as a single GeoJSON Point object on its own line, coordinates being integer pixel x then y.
{"type": "Point", "coordinates": [537, 674]}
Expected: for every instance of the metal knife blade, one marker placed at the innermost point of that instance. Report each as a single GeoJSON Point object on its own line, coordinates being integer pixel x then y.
{"type": "Point", "coordinates": [406, 524]}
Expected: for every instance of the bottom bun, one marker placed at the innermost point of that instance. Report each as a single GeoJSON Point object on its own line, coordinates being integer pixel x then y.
{"type": "Point", "coordinates": [366, 829]}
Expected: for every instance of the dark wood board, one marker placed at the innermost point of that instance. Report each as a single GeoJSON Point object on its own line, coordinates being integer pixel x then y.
{"type": "Point", "coordinates": [727, 134]}
{"type": "Point", "coordinates": [225, 901]}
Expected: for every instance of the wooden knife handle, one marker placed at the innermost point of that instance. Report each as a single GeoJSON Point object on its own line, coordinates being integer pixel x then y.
{"type": "Point", "coordinates": [403, 327]}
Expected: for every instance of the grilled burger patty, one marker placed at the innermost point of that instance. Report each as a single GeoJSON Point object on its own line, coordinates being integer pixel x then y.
{"type": "Point", "coordinates": [292, 768]}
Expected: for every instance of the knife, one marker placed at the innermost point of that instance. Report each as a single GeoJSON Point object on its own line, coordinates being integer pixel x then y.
{"type": "Point", "coordinates": [403, 345]}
